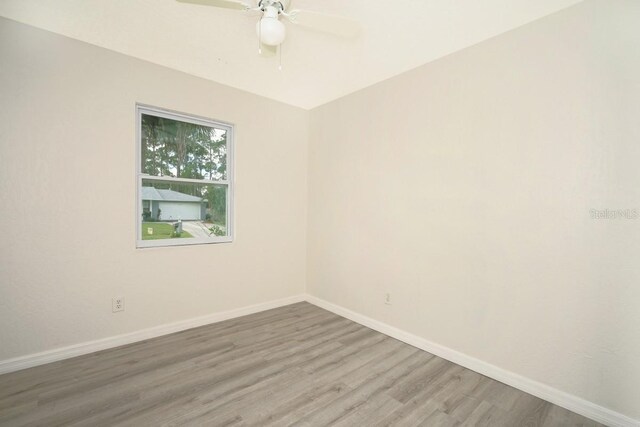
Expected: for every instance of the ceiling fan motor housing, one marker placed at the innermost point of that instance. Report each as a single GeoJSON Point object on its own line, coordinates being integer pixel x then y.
{"type": "Point", "coordinates": [279, 5]}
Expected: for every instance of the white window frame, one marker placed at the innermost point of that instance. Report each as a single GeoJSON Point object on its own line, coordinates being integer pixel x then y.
{"type": "Point", "coordinates": [229, 182]}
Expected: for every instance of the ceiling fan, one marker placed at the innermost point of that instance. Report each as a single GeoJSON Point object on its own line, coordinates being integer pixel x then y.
{"type": "Point", "coordinates": [272, 32]}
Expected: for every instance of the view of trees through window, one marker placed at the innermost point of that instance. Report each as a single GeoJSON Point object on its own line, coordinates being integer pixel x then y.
{"type": "Point", "coordinates": [183, 150]}
{"type": "Point", "coordinates": [184, 182]}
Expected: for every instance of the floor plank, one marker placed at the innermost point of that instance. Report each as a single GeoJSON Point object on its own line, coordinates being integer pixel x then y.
{"type": "Point", "coordinates": [296, 365]}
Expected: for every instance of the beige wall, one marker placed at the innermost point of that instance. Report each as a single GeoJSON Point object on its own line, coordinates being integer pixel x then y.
{"type": "Point", "coordinates": [464, 189]}
{"type": "Point", "coordinates": [67, 196]}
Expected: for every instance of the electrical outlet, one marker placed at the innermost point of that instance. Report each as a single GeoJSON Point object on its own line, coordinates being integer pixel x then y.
{"type": "Point", "coordinates": [117, 304]}
{"type": "Point", "coordinates": [387, 298]}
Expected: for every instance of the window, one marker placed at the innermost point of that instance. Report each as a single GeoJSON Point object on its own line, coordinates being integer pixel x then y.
{"type": "Point", "coordinates": [185, 179]}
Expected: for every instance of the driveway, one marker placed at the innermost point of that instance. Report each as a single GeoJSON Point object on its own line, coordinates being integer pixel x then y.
{"type": "Point", "coordinates": [196, 229]}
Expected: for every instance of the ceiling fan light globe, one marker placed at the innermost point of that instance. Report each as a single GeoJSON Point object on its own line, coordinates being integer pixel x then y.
{"type": "Point", "coordinates": [271, 31]}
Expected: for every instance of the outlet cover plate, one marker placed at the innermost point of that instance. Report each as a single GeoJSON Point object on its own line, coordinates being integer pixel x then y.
{"type": "Point", "coordinates": [117, 304]}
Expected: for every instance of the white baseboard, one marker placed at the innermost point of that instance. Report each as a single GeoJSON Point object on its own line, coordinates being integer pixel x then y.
{"type": "Point", "coordinates": [30, 360]}
{"type": "Point", "coordinates": [543, 391]}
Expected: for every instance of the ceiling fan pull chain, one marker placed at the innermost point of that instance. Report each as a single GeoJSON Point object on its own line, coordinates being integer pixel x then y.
{"type": "Point", "coordinates": [260, 36]}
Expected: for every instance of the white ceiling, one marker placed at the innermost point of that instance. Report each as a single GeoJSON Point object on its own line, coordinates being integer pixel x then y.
{"type": "Point", "coordinates": [221, 45]}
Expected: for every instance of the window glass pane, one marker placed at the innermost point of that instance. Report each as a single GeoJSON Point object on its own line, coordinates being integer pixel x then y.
{"type": "Point", "coordinates": [178, 210]}
{"type": "Point", "coordinates": [184, 150]}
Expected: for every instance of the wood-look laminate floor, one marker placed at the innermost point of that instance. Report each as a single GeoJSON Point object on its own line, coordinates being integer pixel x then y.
{"type": "Point", "coordinates": [296, 365]}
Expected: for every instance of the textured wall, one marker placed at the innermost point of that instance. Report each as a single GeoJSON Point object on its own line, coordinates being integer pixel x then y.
{"type": "Point", "coordinates": [464, 188]}
{"type": "Point", "coordinates": [67, 194]}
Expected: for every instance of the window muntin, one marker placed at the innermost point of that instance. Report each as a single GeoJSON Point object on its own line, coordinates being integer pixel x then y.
{"type": "Point", "coordinates": [184, 188]}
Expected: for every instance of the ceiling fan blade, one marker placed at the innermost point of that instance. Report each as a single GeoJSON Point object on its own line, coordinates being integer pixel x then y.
{"type": "Point", "coordinates": [226, 4]}
{"type": "Point", "coordinates": [254, 11]}
{"type": "Point", "coordinates": [268, 51]}
{"type": "Point", "coordinates": [333, 24]}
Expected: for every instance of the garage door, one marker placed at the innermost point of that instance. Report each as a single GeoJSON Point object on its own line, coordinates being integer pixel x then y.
{"type": "Point", "coordinates": [179, 210]}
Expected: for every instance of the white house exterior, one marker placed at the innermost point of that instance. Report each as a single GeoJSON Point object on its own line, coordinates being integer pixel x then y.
{"type": "Point", "coordinates": [169, 205]}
